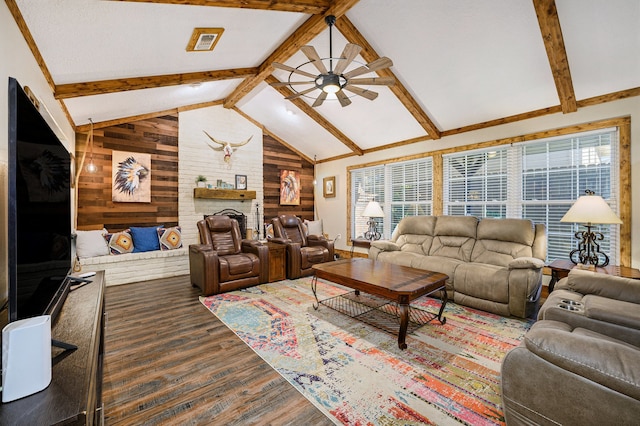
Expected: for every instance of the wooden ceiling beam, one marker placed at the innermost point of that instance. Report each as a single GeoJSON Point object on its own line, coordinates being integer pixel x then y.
{"type": "Point", "coordinates": [312, 7]}
{"type": "Point", "coordinates": [311, 112]}
{"type": "Point", "coordinates": [73, 90]}
{"type": "Point", "coordinates": [368, 53]}
{"type": "Point", "coordinates": [554, 44]}
{"type": "Point", "coordinates": [306, 32]}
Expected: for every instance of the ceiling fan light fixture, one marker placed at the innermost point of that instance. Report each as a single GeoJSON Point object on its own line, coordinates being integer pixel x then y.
{"type": "Point", "coordinates": [334, 80]}
{"type": "Point", "coordinates": [330, 83]}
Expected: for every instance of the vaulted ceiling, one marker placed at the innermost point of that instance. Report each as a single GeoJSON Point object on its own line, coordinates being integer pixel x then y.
{"type": "Point", "coordinates": [458, 65]}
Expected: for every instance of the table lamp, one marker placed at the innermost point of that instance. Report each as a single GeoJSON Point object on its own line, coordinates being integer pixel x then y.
{"type": "Point", "coordinates": [590, 209]}
{"type": "Point", "coordinates": [372, 211]}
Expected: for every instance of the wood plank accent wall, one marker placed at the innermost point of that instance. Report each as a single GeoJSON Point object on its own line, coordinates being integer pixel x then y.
{"type": "Point", "coordinates": [277, 157]}
{"type": "Point", "coordinates": [156, 136]}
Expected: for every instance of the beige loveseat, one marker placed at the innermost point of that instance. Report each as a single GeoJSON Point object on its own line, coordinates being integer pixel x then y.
{"type": "Point", "coordinates": [580, 363]}
{"type": "Point", "coordinates": [493, 264]}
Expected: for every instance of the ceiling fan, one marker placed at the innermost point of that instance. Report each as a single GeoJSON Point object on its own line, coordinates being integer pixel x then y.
{"type": "Point", "coordinates": [335, 80]}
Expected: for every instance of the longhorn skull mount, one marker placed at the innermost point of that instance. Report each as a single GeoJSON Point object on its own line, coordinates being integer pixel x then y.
{"type": "Point", "coordinates": [227, 148]}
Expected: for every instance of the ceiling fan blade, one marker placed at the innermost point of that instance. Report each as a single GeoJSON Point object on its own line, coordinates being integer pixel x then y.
{"type": "Point", "coordinates": [291, 69]}
{"type": "Point", "coordinates": [374, 81]}
{"type": "Point", "coordinates": [348, 54]}
{"type": "Point", "coordinates": [362, 92]}
{"type": "Point", "coordinates": [310, 52]}
{"type": "Point", "coordinates": [376, 65]}
{"type": "Point", "coordinates": [290, 83]}
{"type": "Point", "coordinates": [344, 99]}
{"type": "Point", "coordinates": [320, 99]}
{"type": "Point", "coordinates": [304, 92]}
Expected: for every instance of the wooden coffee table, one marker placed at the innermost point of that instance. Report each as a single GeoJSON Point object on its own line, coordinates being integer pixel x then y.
{"type": "Point", "coordinates": [383, 283]}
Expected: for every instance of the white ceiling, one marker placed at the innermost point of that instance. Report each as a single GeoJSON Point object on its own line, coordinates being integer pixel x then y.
{"type": "Point", "coordinates": [464, 62]}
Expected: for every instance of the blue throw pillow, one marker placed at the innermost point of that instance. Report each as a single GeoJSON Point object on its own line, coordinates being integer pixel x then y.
{"type": "Point", "coordinates": [145, 239]}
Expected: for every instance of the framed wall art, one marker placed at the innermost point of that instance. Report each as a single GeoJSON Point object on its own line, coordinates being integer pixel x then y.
{"type": "Point", "coordinates": [290, 188]}
{"type": "Point", "coordinates": [329, 187]}
{"type": "Point", "coordinates": [241, 182]}
{"type": "Point", "coordinates": [131, 177]}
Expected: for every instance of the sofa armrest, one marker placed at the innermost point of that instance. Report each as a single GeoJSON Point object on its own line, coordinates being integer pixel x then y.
{"type": "Point", "coordinates": [203, 268]}
{"type": "Point", "coordinates": [526, 263]}
{"type": "Point", "coordinates": [262, 251]}
{"type": "Point", "coordinates": [385, 245]}
{"type": "Point", "coordinates": [612, 287]}
{"type": "Point", "coordinates": [319, 240]}
{"type": "Point", "coordinates": [593, 356]}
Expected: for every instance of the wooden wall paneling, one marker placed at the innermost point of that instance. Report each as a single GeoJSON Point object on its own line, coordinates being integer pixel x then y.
{"type": "Point", "coordinates": [277, 157]}
{"type": "Point", "coordinates": [157, 136]}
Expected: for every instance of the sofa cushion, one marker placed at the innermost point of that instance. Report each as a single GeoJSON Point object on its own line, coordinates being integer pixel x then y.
{"type": "Point", "coordinates": [91, 243]}
{"type": "Point", "coordinates": [119, 242]}
{"type": "Point", "coordinates": [595, 357]}
{"type": "Point", "coordinates": [399, 257]}
{"type": "Point", "coordinates": [502, 240]}
{"type": "Point", "coordinates": [170, 238]}
{"type": "Point", "coordinates": [454, 237]}
{"type": "Point", "coordinates": [444, 265]}
{"type": "Point", "coordinates": [145, 238]}
{"type": "Point", "coordinates": [488, 282]}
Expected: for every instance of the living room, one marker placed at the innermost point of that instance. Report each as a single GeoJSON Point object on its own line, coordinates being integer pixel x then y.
{"type": "Point", "coordinates": [197, 157]}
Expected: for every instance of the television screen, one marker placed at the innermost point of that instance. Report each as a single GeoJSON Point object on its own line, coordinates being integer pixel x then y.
{"type": "Point", "coordinates": [39, 213]}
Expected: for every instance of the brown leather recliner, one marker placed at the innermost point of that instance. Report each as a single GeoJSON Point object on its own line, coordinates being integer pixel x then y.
{"type": "Point", "coordinates": [303, 251]}
{"type": "Point", "coordinates": [224, 261]}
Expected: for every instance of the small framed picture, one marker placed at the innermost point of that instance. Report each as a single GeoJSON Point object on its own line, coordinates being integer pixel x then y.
{"type": "Point", "coordinates": [329, 187]}
{"type": "Point", "coordinates": [241, 181]}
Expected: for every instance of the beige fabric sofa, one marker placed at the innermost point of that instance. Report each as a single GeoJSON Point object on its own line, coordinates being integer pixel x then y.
{"type": "Point", "coordinates": [493, 264]}
{"type": "Point", "coordinates": [580, 363]}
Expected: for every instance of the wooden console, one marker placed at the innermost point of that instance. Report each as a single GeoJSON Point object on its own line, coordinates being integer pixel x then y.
{"type": "Point", "coordinates": [75, 393]}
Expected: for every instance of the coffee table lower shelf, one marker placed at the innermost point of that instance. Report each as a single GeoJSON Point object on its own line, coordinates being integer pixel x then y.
{"type": "Point", "coordinates": [379, 312]}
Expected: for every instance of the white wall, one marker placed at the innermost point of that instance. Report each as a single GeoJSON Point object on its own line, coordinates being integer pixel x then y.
{"type": "Point", "coordinates": [195, 158]}
{"type": "Point", "coordinates": [333, 211]}
{"type": "Point", "coordinates": [17, 61]}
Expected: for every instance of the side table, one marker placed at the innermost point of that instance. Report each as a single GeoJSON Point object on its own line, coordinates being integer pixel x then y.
{"type": "Point", "coordinates": [560, 268]}
{"type": "Point", "coordinates": [277, 261]}
{"type": "Point", "coordinates": [360, 242]}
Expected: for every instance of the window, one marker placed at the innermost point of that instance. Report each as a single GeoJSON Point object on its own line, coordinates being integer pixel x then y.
{"type": "Point", "coordinates": [538, 180]}
{"type": "Point", "coordinates": [402, 189]}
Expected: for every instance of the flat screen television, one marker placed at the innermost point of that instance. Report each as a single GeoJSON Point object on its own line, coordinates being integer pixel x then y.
{"type": "Point", "coordinates": [39, 212]}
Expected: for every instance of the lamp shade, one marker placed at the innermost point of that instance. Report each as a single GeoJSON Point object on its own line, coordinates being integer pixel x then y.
{"type": "Point", "coordinates": [373, 209]}
{"type": "Point", "coordinates": [591, 209]}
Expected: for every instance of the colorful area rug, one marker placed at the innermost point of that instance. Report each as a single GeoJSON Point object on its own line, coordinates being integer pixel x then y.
{"type": "Point", "coordinates": [449, 374]}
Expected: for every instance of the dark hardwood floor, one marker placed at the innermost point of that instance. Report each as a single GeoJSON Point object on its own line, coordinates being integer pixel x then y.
{"type": "Point", "coordinates": [168, 360]}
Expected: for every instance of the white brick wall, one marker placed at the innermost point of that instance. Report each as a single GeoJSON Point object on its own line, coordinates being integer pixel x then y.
{"type": "Point", "coordinates": [134, 267]}
{"type": "Point", "coordinates": [197, 158]}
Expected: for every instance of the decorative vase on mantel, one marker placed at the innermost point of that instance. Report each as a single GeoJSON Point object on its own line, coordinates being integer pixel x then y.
{"type": "Point", "coordinates": [201, 181]}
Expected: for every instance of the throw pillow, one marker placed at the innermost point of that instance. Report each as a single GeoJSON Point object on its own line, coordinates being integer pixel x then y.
{"type": "Point", "coordinates": [119, 242]}
{"type": "Point", "coordinates": [145, 239]}
{"type": "Point", "coordinates": [91, 243]}
{"type": "Point", "coordinates": [314, 227]}
{"type": "Point", "coordinates": [170, 238]}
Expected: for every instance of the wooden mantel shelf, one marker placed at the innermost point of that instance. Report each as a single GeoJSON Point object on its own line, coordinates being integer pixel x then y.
{"type": "Point", "coordinates": [224, 194]}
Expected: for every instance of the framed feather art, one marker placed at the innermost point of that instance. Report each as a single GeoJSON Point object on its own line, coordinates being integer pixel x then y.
{"type": "Point", "coordinates": [131, 177]}
{"type": "Point", "coordinates": [290, 188]}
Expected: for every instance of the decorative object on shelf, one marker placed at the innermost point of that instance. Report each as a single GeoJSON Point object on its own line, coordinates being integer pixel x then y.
{"type": "Point", "coordinates": [290, 188]}
{"type": "Point", "coordinates": [335, 80]}
{"type": "Point", "coordinates": [329, 187]}
{"type": "Point", "coordinates": [241, 181]}
{"type": "Point", "coordinates": [131, 177]}
{"type": "Point", "coordinates": [227, 148]}
{"type": "Point", "coordinates": [201, 181]}
{"type": "Point", "coordinates": [372, 211]}
{"type": "Point", "coordinates": [590, 210]}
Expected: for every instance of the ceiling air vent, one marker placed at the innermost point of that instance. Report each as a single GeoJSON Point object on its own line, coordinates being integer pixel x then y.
{"type": "Point", "coordinates": [204, 39]}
